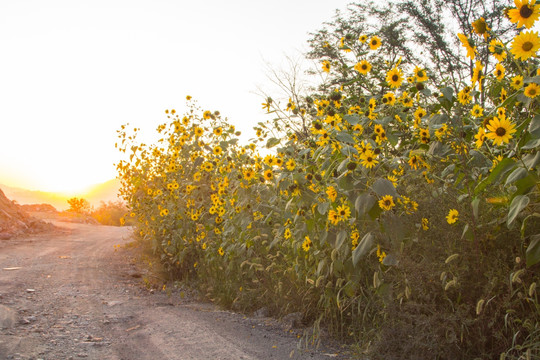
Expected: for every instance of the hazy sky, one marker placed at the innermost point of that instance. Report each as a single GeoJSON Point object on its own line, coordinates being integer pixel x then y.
{"type": "Point", "coordinates": [71, 72]}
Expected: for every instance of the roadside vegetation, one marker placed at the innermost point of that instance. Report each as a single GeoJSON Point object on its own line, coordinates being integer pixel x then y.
{"type": "Point", "coordinates": [395, 205]}
{"type": "Point", "coordinates": [107, 213]}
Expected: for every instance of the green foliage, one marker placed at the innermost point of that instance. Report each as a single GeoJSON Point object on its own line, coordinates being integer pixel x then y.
{"type": "Point", "coordinates": [112, 213]}
{"type": "Point", "coordinates": [394, 207]}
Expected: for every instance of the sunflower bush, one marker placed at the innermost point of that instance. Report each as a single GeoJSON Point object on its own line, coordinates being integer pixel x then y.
{"type": "Point", "coordinates": [397, 212]}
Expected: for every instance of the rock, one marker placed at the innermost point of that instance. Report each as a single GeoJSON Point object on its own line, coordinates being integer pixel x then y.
{"type": "Point", "coordinates": [8, 317]}
{"type": "Point", "coordinates": [262, 312]}
{"type": "Point", "coordinates": [293, 320]}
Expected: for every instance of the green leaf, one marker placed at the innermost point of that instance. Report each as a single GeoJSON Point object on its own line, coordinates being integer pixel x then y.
{"type": "Point", "coordinates": [475, 204]}
{"type": "Point", "coordinates": [364, 246]}
{"type": "Point", "coordinates": [438, 119]}
{"type": "Point", "coordinates": [531, 160]}
{"type": "Point", "coordinates": [534, 126]}
{"type": "Point", "coordinates": [502, 168]}
{"type": "Point", "coordinates": [533, 251]}
{"type": "Point", "coordinates": [516, 175]}
{"type": "Point", "coordinates": [524, 223]}
{"type": "Point", "coordinates": [363, 203]}
{"type": "Point", "coordinates": [448, 93]}
{"type": "Point", "coordinates": [531, 144]}
{"type": "Point", "coordinates": [389, 260]}
{"type": "Point", "coordinates": [523, 186]}
{"type": "Point", "coordinates": [352, 119]}
{"type": "Point", "coordinates": [392, 138]}
{"type": "Point", "coordinates": [272, 142]}
{"type": "Point", "coordinates": [532, 79]}
{"type": "Point", "coordinates": [519, 203]}
{"type": "Point", "coordinates": [343, 165]}
{"type": "Point", "coordinates": [345, 137]}
{"type": "Point", "coordinates": [341, 238]}
{"type": "Point", "coordinates": [323, 208]}
{"type": "Point", "coordinates": [384, 187]}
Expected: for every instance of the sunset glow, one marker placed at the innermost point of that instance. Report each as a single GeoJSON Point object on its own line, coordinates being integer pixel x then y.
{"type": "Point", "coordinates": [74, 72]}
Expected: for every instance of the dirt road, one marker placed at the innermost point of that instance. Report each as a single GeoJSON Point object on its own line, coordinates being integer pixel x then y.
{"type": "Point", "coordinates": [72, 296]}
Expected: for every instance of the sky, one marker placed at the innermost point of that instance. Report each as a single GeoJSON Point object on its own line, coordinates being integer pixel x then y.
{"type": "Point", "coordinates": [72, 72]}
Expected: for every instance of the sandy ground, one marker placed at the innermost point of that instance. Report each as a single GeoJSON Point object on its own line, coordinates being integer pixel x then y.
{"type": "Point", "coordinates": [71, 295]}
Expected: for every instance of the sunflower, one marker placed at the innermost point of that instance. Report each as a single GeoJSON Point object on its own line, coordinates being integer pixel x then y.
{"type": "Point", "coordinates": [499, 71]}
{"type": "Point", "coordinates": [389, 99]}
{"type": "Point", "coordinates": [480, 27]}
{"type": "Point", "coordinates": [478, 75]}
{"type": "Point", "coordinates": [207, 114]}
{"type": "Point", "coordinates": [218, 150]}
{"type": "Point", "coordinates": [249, 174]}
{"type": "Point", "coordinates": [419, 113]}
{"type": "Point", "coordinates": [500, 130]}
{"type": "Point", "coordinates": [464, 97]}
{"type": "Point", "coordinates": [287, 233]}
{"type": "Point", "coordinates": [420, 74]}
{"type": "Point", "coordinates": [344, 212]}
{"type": "Point", "coordinates": [425, 224]}
{"type": "Point", "coordinates": [468, 44]}
{"type": "Point", "coordinates": [525, 14]}
{"type": "Point", "coordinates": [496, 47]}
{"type": "Point", "coordinates": [368, 159]}
{"type": "Point", "coordinates": [332, 193]}
{"type": "Point", "coordinates": [414, 161]}
{"type": "Point", "coordinates": [326, 66]}
{"type": "Point", "coordinates": [221, 252]}
{"type": "Point", "coordinates": [218, 131]}
{"type": "Point", "coordinates": [424, 135]}
{"type": "Point", "coordinates": [387, 202]}
{"type": "Point", "coordinates": [532, 90]}
{"type": "Point", "coordinates": [477, 111]}
{"type": "Point", "coordinates": [525, 45]}
{"type": "Point", "coordinates": [268, 175]}
{"type": "Point", "coordinates": [503, 95]}
{"type": "Point", "coordinates": [406, 100]}
{"type": "Point", "coordinates": [374, 43]}
{"type": "Point", "coordinates": [333, 217]}
{"type": "Point", "coordinates": [394, 77]}
{"type": "Point", "coordinates": [480, 137]}
{"type": "Point", "coordinates": [306, 245]}
{"type": "Point", "coordinates": [290, 164]}
{"type": "Point", "coordinates": [452, 216]}
{"type": "Point", "coordinates": [517, 82]}
{"type": "Point", "coordinates": [363, 67]}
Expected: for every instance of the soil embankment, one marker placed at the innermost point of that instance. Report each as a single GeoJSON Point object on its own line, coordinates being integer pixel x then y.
{"type": "Point", "coordinates": [14, 221]}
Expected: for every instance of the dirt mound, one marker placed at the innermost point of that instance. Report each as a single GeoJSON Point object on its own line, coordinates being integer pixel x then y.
{"type": "Point", "coordinates": [48, 208]}
{"type": "Point", "coordinates": [14, 221]}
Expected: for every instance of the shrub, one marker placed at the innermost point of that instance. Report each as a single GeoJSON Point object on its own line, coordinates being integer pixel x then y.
{"type": "Point", "coordinates": [401, 215]}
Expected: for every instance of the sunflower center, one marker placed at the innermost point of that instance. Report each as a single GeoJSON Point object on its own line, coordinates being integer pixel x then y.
{"type": "Point", "coordinates": [395, 78]}
{"type": "Point", "coordinates": [525, 11]}
{"type": "Point", "coordinates": [500, 131]}
{"type": "Point", "coordinates": [364, 67]}
{"type": "Point", "coordinates": [532, 92]}
{"type": "Point", "coordinates": [527, 46]}
{"type": "Point", "coordinates": [420, 74]}
{"type": "Point", "coordinates": [387, 202]}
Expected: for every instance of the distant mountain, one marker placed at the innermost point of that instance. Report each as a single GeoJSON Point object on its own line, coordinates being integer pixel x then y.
{"type": "Point", "coordinates": [106, 191]}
